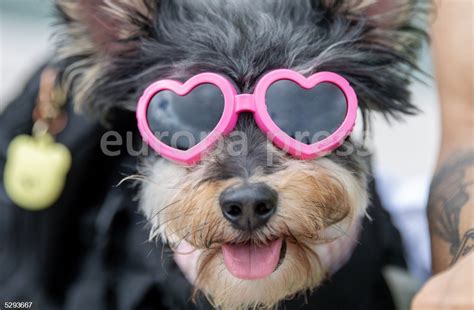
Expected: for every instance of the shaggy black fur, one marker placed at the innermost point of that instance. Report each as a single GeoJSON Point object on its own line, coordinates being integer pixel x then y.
{"type": "Point", "coordinates": [245, 39]}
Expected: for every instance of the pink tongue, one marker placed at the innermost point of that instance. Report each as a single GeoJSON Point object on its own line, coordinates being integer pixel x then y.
{"type": "Point", "coordinates": [249, 262]}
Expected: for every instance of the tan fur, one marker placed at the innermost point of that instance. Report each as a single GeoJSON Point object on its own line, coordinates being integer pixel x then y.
{"type": "Point", "coordinates": [320, 205]}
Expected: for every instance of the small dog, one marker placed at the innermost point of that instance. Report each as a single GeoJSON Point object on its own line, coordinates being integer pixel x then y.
{"type": "Point", "coordinates": [305, 214]}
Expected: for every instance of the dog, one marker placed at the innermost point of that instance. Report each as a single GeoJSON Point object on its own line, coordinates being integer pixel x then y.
{"type": "Point", "coordinates": [305, 214]}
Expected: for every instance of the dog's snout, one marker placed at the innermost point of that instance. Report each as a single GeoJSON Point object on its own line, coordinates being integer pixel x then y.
{"type": "Point", "coordinates": [249, 206]}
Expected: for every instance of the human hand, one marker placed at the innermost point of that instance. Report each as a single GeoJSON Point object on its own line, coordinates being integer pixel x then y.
{"type": "Point", "coordinates": [451, 289]}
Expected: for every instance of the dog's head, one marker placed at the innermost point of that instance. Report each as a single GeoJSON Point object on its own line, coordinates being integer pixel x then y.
{"type": "Point", "coordinates": [259, 224]}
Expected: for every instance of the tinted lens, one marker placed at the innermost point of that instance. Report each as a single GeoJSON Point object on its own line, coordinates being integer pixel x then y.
{"type": "Point", "coordinates": [307, 115]}
{"type": "Point", "coordinates": [183, 121]}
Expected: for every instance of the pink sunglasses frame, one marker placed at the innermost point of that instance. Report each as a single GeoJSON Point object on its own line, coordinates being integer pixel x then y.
{"type": "Point", "coordinates": [255, 103]}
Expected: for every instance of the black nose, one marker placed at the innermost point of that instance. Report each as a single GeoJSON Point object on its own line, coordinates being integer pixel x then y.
{"type": "Point", "coordinates": [249, 206]}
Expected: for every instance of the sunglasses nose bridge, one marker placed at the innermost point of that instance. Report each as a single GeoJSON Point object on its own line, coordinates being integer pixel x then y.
{"type": "Point", "coordinates": [245, 103]}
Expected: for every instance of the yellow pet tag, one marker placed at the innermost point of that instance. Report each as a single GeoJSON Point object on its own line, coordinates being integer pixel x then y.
{"type": "Point", "coordinates": [35, 171]}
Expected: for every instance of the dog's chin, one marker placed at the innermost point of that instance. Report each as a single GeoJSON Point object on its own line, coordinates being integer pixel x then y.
{"type": "Point", "coordinates": [247, 275]}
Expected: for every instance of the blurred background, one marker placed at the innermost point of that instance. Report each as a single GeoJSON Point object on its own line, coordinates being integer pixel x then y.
{"type": "Point", "coordinates": [25, 30]}
{"type": "Point", "coordinates": [405, 153]}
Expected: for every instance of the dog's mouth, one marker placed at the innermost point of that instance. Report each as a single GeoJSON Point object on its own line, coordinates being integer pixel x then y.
{"type": "Point", "coordinates": [249, 261]}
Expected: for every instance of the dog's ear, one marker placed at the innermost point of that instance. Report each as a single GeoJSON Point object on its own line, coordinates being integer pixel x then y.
{"type": "Point", "coordinates": [382, 13]}
{"type": "Point", "coordinates": [387, 36]}
{"type": "Point", "coordinates": [107, 26]}
{"type": "Point", "coordinates": [92, 37]}
{"type": "Point", "coordinates": [393, 23]}
{"type": "Point", "coordinates": [387, 13]}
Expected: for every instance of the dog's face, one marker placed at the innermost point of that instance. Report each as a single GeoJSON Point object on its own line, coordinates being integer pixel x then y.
{"type": "Point", "coordinates": [260, 225]}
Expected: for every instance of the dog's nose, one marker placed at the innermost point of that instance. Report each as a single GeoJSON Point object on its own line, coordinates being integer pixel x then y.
{"type": "Point", "coordinates": [250, 206]}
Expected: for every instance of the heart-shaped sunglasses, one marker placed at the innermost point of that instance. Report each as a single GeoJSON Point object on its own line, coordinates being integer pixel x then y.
{"type": "Point", "coordinates": [307, 117]}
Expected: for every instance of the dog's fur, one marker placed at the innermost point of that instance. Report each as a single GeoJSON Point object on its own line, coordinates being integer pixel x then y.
{"type": "Point", "coordinates": [112, 50]}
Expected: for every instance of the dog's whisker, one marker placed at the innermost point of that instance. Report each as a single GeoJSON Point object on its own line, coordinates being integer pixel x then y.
{"type": "Point", "coordinates": [135, 177]}
{"type": "Point", "coordinates": [180, 216]}
{"type": "Point", "coordinates": [195, 230]}
{"type": "Point", "coordinates": [165, 208]}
